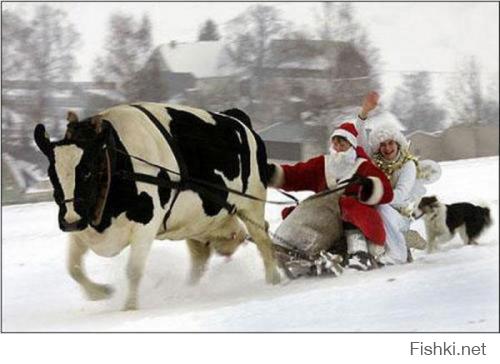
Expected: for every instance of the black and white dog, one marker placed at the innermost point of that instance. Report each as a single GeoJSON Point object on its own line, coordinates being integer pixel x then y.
{"type": "Point", "coordinates": [443, 221]}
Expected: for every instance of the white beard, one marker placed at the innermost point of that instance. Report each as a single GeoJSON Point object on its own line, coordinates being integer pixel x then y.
{"type": "Point", "coordinates": [340, 164]}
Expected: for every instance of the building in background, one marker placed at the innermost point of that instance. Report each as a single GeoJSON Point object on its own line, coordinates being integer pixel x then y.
{"type": "Point", "coordinates": [307, 84]}
{"type": "Point", "coordinates": [457, 142]}
{"type": "Point", "coordinates": [26, 103]}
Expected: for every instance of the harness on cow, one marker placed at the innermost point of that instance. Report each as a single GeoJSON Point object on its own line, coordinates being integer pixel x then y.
{"type": "Point", "coordinates": [85, 133]}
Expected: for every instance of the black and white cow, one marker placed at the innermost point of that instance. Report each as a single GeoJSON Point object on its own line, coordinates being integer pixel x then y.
{"type": "Point", "coordinates": [218, 148]}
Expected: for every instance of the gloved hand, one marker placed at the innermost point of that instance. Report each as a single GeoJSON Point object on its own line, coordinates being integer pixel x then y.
{"type": "Point", "coordinates": [287, 211]}
{"type": "Point", "coordinates": [367, 186]}
{"type": "Point", "coordinates": [275, 175]}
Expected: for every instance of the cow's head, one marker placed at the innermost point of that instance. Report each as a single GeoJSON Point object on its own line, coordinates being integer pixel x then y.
{"type": "Point", "coordinates": [74, 165]}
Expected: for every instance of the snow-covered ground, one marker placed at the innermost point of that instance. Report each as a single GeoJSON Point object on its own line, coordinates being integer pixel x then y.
{"type": "Point", "coordinates": [453, 290]}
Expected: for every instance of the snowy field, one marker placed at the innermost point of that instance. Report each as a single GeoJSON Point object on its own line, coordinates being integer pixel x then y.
{"type": "Point", "coordinates": [453, 290]}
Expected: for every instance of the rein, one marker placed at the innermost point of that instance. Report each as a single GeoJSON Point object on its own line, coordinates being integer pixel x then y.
{"type": "Point", "coordinates": [184, 184]}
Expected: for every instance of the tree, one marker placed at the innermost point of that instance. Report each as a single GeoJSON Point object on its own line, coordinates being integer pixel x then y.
{"type": "Point", "coordinates": [150, 85]}
{"type": "Point", "coordinates": [414, 105]}
{"type": "Point", "coordinates": [41, 49]}
{"type": "Point", "coordinates": [15, 31]}
{"type": "Point", "coordinates": [353, 56]}
{"type": "Point", "coordinates": [465, 98]}
{"type": "Point", "coordinates": [128, 46]}
{"type": "Point", "coordinates": [51, 46]}
{"type": "Point", "coordinates": [208, 31]}
{"type": "Point", "coordinates": [248, 43]}
{"type": "Point", "coordinates": [490, 104]}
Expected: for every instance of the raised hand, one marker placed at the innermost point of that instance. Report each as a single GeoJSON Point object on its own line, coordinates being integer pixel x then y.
{"type": "Point", "coordinates": [370, 102]}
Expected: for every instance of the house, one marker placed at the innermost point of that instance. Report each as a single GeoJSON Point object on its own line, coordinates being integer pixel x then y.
{"type": "Point", "coordinates": [457, 142]}
{"type": "Point", "coordinates": [332, 70]}
{"type": "Point", "coordinates": [199, 74]}
{"type": "Point", "coordinates": [301, 87]}
{"type": "Point", "coordinates": [292, 142]}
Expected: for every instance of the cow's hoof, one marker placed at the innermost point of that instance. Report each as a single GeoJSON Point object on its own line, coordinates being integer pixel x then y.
{"type": "Point", "coordinates": [130, 306]}
{"type": "Point", "coordinates": [194, 278]}
{"type": "Point", "coordinates": [274, 277]}
{"type": "Point", "coordinates": [100, 292]}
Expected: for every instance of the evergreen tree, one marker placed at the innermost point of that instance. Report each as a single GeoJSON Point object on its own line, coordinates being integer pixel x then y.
{"type": "Point", "coordinates": [414, 105]}
{"type": "Point", "coordinates": [208, 31]}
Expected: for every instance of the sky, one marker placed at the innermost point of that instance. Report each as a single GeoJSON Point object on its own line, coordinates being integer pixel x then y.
{"type": "Point", "coordinates": [411, 36]}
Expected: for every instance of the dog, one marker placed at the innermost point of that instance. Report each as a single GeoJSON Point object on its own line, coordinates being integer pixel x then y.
{"type": "Point", "coordinates": [443, 221]}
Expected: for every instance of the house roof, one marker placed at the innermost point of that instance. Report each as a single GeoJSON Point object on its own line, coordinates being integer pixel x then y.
{"type": "Point", "coordinates": [202, 59]}
{"type": "Point", "coordinates": [305, 53]}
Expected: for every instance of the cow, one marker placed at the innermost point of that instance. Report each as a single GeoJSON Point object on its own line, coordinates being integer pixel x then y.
{"type": "Point", "coordinates": [138, 172]}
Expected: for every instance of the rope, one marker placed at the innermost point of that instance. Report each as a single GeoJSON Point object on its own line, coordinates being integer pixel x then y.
{"type": "Point", "coordinates": [189, 179]}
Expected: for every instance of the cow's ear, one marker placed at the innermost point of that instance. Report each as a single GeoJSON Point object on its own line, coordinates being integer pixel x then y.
{"type": "Point", "coordinates": [42, 140]}
{"type": "Point", "coordinates": [96, 122]}
{"type": "Point", "coordinates": [72, 117]}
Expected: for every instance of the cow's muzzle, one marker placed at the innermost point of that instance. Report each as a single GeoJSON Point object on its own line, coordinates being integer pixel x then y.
{"type": "Point", "coordinates": [65, 226]}
{"type": "Point", "coordinates": [73, 226]}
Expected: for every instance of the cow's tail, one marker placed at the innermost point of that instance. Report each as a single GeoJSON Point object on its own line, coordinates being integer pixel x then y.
{"type": "Point", "coordinates": [240, 115]}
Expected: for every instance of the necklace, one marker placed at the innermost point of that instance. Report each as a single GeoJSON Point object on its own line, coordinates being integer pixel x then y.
{"type": "Point", "coordinates": [389, 167]}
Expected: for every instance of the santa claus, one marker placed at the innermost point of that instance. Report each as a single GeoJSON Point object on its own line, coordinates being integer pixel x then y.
{"type": "Point", "coordinates": [362, 223]}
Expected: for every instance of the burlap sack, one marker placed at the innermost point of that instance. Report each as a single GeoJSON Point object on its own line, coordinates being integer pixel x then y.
{"type": "Point", "coordinates": [313, 226]}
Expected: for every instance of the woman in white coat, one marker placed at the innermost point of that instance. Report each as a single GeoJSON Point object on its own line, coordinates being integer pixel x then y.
{"type": "Point", "coordinates": [389, 151]}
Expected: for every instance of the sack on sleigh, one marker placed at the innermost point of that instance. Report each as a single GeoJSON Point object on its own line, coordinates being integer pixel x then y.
{"type": "Point", "coordinates": [314, 225]}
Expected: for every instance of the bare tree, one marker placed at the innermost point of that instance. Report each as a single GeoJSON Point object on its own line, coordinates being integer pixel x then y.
{"type": "Point", "coordinates": [490, 103]}
{"type": "Point", "coordinates": [41, 49]}
{"type": "Point", "coordinates": [51, 45]}
{"type": "Point", "coordinates": [249, 36]}
{"type": "Point", "coordinates": [128, 46]}
{"type": "Point", "coordinates": [15, 31]}
{"type": "Point", "coordinates": [465, 99]}
{"type": "Point", "coordinates": [414, 105]}
{"type": "Point", "coordinates": [354, 60]}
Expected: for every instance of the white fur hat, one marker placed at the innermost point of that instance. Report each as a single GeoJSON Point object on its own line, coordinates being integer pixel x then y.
{"type": "Point", "coordinates": [383, 133]}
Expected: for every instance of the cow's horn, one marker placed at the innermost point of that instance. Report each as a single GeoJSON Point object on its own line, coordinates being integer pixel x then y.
{"type": "Point", "coordinates": [96, 121]}
{"type": "Point", "coordinates": [72, 117]}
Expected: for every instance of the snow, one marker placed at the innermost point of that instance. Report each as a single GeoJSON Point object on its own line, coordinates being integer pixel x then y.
{"type": "Point", "coordinates": [453, 290]}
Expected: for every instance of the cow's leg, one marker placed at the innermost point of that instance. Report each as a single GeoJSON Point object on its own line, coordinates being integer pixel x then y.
{"type": "Point", "coordinates": [139, 251]}
{"type": "Point", "coordinates": [255, 223]}
{"type": "Point", "coordinates": [76, 270]}
{"type": "Point", "coordinates": [200, 253]}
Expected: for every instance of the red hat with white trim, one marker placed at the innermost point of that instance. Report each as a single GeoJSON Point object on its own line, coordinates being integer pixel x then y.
{"type": "Point", "coordinates": [348, 131]}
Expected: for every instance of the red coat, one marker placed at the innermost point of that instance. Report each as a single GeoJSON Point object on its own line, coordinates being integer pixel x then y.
{"type": "Point", "coordinates": [356, 206]}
